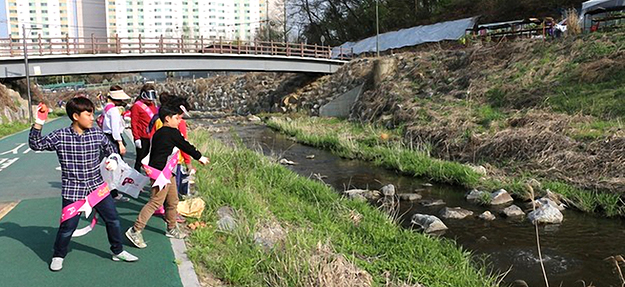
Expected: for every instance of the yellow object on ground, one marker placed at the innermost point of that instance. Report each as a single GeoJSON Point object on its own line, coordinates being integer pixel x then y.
{"type": "Point", "coordinates": [192, 207]}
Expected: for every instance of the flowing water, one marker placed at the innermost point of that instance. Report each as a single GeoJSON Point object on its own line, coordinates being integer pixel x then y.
{"type": "Point", "coordinates": [573, 251]}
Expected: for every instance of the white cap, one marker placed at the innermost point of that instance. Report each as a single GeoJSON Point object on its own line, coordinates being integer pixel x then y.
{"type": "Point", "coordinates": [119, 95]}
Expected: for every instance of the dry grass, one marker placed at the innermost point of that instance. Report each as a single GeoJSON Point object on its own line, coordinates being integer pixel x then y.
{"type": "Point", "coordinates": [572, 22]}
{"type": "Point", "coordinates": [334, 270]}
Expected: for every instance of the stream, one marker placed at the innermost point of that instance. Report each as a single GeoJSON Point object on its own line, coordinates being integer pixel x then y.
{"type": "Point", "coordinates": [573, 251]}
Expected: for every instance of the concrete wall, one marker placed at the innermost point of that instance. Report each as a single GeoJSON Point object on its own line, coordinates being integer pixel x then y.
{"type": "Point", "coordinates": [342, 105]}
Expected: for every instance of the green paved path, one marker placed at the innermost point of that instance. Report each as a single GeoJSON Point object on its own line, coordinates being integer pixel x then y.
{"type": "Point", "coordinates": [27, 233]}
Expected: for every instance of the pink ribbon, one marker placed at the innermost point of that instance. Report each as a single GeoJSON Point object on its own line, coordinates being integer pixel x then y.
{"type": "Point", "coordinates": [85, 205]}
{"type": "Point", "coordinates": [162, 178]}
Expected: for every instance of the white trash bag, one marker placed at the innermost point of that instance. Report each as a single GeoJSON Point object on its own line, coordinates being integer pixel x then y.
{"type": "Point", "coordinates": [124, 178]}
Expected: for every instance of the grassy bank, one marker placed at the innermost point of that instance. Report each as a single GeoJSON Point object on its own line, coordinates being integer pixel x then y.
{"type": "Point", "coordinates": [11, 128]}
{"type": "Point", "coordinates": [367, 143]}
{"type": "Point", "coordinates": [327, 240]}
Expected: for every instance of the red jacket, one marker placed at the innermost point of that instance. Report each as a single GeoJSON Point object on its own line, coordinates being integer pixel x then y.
{"type": "Point", "coordinates": [183, 130]}
{"type": "Point", "coordinates": [139, 121]}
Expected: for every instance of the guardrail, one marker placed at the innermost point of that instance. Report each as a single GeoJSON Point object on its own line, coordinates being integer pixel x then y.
{"type": "Point", "coordinates": [14, 47]}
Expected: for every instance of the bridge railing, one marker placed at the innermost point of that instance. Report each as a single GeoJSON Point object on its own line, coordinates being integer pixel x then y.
{"type": "Point", "coordinates": [14, 47]}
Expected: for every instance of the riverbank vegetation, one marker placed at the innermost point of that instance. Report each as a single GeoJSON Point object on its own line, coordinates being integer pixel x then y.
{"type": "Point", "coordinates": [318, 238]}
{"type": "Point", "coordinates": [388, 149]}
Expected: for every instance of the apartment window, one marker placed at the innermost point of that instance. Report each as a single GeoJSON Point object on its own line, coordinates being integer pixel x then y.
{"type": "Point", "coordinates": [222, 18]}
{"type": "Point", "coordinates": [12, 4]}
{"type": "Point", "coordinates": [32, 11]}
{"type": "Point", "coordinates": [159, 24]}
{"type": "Point", "coordinates": [141, 30]}
{"type": "Point", "coordinates": [44, 11]}
{"type": "Point", "coordinates": [140, 9]}
{"type": "Point", "coordinates": [168, 24]}
{"type": "Point", "coordinates": [236, 18]}
{"type": "Point", "coordinates": [167, 16]}
{"type": "Point", "coordinates": [247, 5]}
{"type": "Point", "coordinates": [195, 10]}
{"type": "Point", "coordinates": [129, 17]}
{"type": "Point", "coordinates": [46, 25]}
{"type": "Point", "coordinates": [157, 17]}
{"type": "Point", "coordinates": [130, 31]}
{"type": "Point", "coordinates": [167, 3]}
{"type": "Point", "coordinates": [212, 17]}
{"type": "Point", "coordinates": [15, 19]}
{"type": "Point", "coordinates": [196, 17]}
{"type": "Point", "coordinates": [31, 4]}
{"type": "Point", "coordinates": [129, 10]}
{"type": "Point", "coordinates": [44, 4]}
{"type": "Point", "coordinates": [185, 17]}
{"type": "Point", "coordinates": [111, 9]}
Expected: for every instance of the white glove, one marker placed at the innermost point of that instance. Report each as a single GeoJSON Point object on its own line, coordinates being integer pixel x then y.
{"type": "Point", "coordinates": [110, 164]}
{"type": "Point", "coordinates": [138, 143]}
{"type": "Point", "coordinates": [203, 160]}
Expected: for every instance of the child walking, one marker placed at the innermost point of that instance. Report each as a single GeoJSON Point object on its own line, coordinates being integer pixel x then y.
{"type": "Point", "coordinates": [163, 157]}
{"type": "Point", "coordinates": [78, 149]}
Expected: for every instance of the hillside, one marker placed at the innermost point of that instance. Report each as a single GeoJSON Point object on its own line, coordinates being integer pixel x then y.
{"type": "Point", "coordinates": [550, 109]}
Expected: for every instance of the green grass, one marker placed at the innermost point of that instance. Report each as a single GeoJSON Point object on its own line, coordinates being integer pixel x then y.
{"type": "Point", "coordinates": [320, 230]}
{"type": "Point", "coordinates": [348, 141]}
{"type": "Point", "coordinates": [345, 140]}
{"type": "Point", "coordinates": [11, 128]}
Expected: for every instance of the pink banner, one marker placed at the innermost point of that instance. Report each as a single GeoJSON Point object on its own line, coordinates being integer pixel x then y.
{"type": "Point", "coordinates": [85, 205]}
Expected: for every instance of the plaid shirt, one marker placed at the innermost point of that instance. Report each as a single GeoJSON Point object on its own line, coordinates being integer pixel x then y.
{"type": "Point", "coordinates": [79, 156]}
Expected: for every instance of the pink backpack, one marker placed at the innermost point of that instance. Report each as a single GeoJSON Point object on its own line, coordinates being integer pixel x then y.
{"type": "Point", "coordinates": [100, 119]}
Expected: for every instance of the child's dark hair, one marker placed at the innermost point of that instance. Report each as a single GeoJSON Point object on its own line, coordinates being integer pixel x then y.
{"type": "Point", "coordinates": [115, 88]}
{"type": "Point", "coordinates": [77, 105]}
{"type": "Point", "coordinates": [170, 108]}
{"type": "Point", "coordinates": [180, 101]}
{"type": "Point", "coordinates": [165, 97]}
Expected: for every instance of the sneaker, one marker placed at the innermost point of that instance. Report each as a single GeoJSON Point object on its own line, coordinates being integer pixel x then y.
{"type": "Point", "coordinates": [125, 256]}
{"type": "Point", "coordinates": [135, 238]}
{"type": "Point", "coordinates": [160, 211]}
{"type": "Point", "coordinates": [175, 233]}
{"type": "Point", "coordinates": [180, 218]}
{"type": "Point", "coordinates": [56, 264]}
{"type": "Point", "coordinates": [121, 198]}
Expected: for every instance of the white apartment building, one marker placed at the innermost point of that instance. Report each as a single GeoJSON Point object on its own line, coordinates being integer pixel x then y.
{"type": "Point", "coordinates": [48, 18]}
{"type": "Point", "coordinates": [213, 19]}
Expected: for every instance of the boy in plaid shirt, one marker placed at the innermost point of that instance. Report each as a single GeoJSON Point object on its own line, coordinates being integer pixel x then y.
{"type": "Point", "coordinates": [78, 149]}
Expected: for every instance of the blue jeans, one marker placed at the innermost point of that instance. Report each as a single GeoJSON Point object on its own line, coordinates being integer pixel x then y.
{"type": "Point", "coordinates": [106, 211]}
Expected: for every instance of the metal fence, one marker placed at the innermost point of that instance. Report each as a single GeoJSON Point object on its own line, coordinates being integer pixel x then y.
{"type": "Point", "coordinates": [14, 47]}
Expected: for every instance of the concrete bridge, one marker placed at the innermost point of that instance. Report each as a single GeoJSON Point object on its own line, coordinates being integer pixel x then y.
{"type": "Point", "coordinates": [66, 56]}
